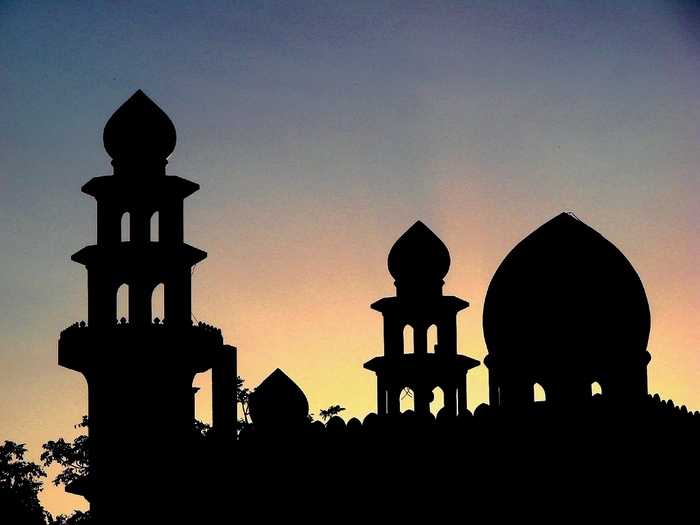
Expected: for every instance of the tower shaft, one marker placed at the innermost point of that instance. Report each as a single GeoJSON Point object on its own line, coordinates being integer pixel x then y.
{"type": "Point", "coordinates": [139, 370]}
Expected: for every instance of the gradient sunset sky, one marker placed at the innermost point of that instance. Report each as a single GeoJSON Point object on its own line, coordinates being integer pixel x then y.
{"type": "Point", "coordinates": [319, 132]}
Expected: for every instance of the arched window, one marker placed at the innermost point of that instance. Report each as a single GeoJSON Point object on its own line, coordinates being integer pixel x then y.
{"type": "Point", "coordinates": [123, 302]}
{"type": "Point", "coordinates": [155, 218]}
{"type": "Point", "coordinates": [157, 305]}
{"type": "Point", "coordinates": [595, 388]}
{"type": "Point", "coordinates": [125, 225]}
{"type": "Point", "coordinates": [540, 394]}
{"type": "Point", "coordinates": [406, 400]}
{"type": "Point", "coordinates": [408, 339]}
{"type": "Point", "coordinates": [432, 338]}
{"type": "Point", "coordinates": [438, 401]}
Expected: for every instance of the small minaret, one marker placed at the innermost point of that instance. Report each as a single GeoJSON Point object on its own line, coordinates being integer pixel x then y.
{"type": "Point", "coordinates": [139, 370]}
{"type": "Point", "coordinates": [419, 261]}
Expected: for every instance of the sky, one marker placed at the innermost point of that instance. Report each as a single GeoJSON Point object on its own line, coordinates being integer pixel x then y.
{"type": "Point", "coordinates": [321, 131]}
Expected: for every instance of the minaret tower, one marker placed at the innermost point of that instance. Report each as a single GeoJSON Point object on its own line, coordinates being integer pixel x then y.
{"type": "Point", "coordinates": [139, 370]}
{"type": "Point", "coordinates": [419, 261]}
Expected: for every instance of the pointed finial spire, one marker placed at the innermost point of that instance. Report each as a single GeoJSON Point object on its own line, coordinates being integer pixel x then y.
{"type": "Point", "coordinates": [139, 136]}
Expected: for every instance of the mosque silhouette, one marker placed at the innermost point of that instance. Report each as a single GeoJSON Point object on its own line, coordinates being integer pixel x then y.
{"type": "Point", "coordinates": [564, 311]}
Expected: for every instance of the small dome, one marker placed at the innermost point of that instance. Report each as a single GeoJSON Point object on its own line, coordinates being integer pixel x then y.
{"type": "Point", "coordinates": [139, 132]}
{"type": "Point", "coordinates": [278, 403]}
{"type": "Point", "coordinates": [418, 256]}
{"type": "Point", "coordinates": [566, 297]}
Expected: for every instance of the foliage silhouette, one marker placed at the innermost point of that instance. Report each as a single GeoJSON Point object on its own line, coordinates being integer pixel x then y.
{"type": "Point", "coordinates": [77, 518]}
{"type": "Point", "coordinates": [73, 457]}
{"type": "Point", "coordinates": [202, 427]}
{"type": "Point", "coordinates": [20, 485]}
{"type": "Point", "coordinates": [243, 398]}
{"type": "Point", "coordinates": [330, 412]}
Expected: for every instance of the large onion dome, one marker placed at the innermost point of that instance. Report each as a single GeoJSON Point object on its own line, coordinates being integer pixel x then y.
{"type": "Point", "coordinates": [139, 134]}
{"type": "Point", "coordinates": [565, 300]}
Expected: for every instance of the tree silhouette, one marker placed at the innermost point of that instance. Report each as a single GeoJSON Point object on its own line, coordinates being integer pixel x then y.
{"type": "Point", "coordinates": [243, 397]}
{"type": "Point", "coordinates": [331, 411]}
{"type": "Point", "coordinates": [73, 457]}
{"type": "Point", "coordinates": [20, 485]}
{"type": "Point", "coordinates": [202, 427]}
{"type": "Point", "coordinates": [77, 518]}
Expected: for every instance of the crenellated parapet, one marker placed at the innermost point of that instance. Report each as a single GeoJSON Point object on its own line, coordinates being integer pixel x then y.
{"type": "Point", "coordinates": [85, 349]}
{"type": "Point", "coordinates": [123, 323]}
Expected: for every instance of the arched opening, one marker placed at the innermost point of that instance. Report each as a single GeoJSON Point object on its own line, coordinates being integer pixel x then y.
{"type": "Point", "coordinates": [157, 304]}
{"type": "Point", "coordinates": [123, 302]}
{"type": "Point", "coordinates": [432, 338]}
{"type": "Point", "coordinates": [408, 339]}
{"type": "Point", "coordinates": [539, 393]}
{"type": "Point", "coordinates": [155, 218]}
{"type": "Point", "coordinates": [202, 398]}
{"type": "Point", "coordinates": [406, 400]}
{"type": "Point", "coordinates": [596, 388]}
{"type": "Point", "coordinates": [438, 401]}
{"type": "Point", "coordinates": [125, 225]}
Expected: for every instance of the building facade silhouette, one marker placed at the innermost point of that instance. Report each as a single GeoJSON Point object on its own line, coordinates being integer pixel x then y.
{"type": "Point", "coordinates": [564, 310]}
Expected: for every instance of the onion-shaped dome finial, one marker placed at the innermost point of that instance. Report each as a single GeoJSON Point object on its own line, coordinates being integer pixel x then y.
{"type": "Point", "coordinates": [139, 135]}
{"type": "Point", "coordinates": [419, 260]}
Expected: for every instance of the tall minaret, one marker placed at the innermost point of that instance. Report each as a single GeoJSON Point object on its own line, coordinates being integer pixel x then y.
{"type": "Point", "coordinates": [139, 370]}
{"type": "Point", "coordinates": [419, 261]}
